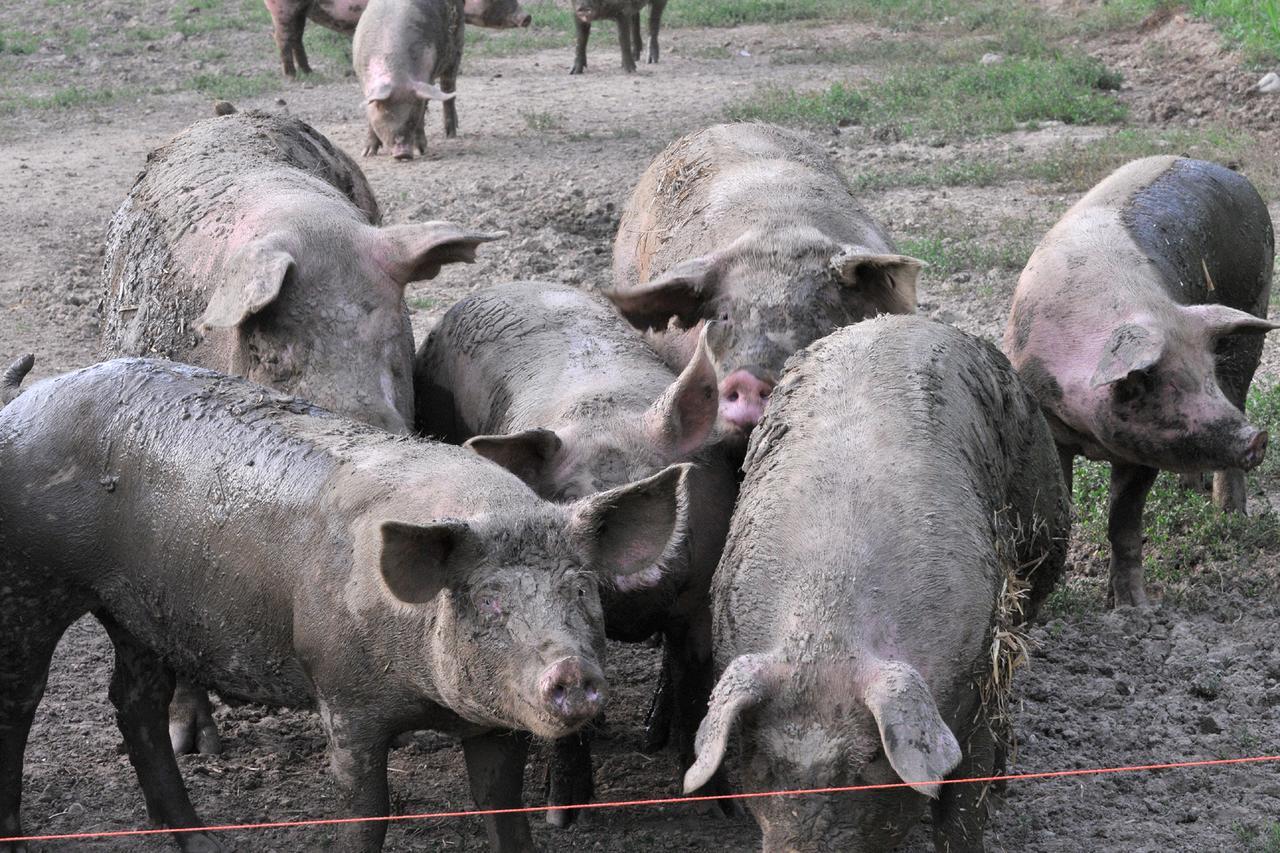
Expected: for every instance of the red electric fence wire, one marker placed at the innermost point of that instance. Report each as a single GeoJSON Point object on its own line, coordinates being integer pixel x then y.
{"type": "Point", "coordinates": [661, 801]}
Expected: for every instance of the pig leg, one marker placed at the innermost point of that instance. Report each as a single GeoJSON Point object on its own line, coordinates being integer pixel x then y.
{"type": "Point", "coordinates": [495, 766]}
{"type": "Point", "coordinates": [624, 37]}
{"type": "Point", "coordinates": [960, 812]}
{"type": "Point", "coordinates": [1067, 458]}
{"type": "Point", "coordinates": [448, 83]}
{"type": "Point", "coordinates": [655, 21]}
{"type": "Point", "coordinates": [27, 642]}
{"type": "Point", "coordinates": [140, 689]}
{"type": "Point", "coordinates": [569, 777]}
{"type": "Point", "coordinates": [191, 724]}
{"type": "Point", "coordinates": [289, 26]}
{"type": "Point", "coordinates": [1129, 487]}
{"type": "Point", "coordinates": [1237, 359]}
{"type": "Point", "coordinates": [637, 46]}
{"type": "Point", "coordinates": [358, 760]}
{"type": "Point", "coordinates": [583, 29]}
{"type": "Point", "coordinates": [692, 680]}
{"type": "Point", "coordinates": [372, 144]}
{"type": "Point", "coordinates": [657, 720]}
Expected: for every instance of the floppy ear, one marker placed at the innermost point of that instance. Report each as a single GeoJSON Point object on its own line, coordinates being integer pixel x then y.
{"type": "Point", "coordinates": [526, 454]}
{"type": "Point", "coordinates": [1130, 349]}
{"type": "Point", "coordinates": [680, 421]}
{"type": "Point", "coordinates": [416, 558]}
{"type": "Point", "coordinates": [377, 90]}
{"type": "Point", "coordinates": [918, 743]}
{"type": "Point", "coordinates": [877, 283]}
{"type": "Point", "coordinates": [1218, 320]}
{"type": "Point", "coordinates": [416, 252]}
{"type": "Point", "coordinates": [743, 686]}
{"type": "Point", "coordinates": [632, 528]}
{"type": "Point", "coordinates": [254, 280]}
{"type": "Point", "coordinates": [679, 292]}
{"type": "Point", "coordinates": [428, 92]}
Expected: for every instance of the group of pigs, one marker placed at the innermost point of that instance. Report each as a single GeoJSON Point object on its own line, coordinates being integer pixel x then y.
{"type": "Point", "coordinates": [827, 508]}
{"type": "Point", "coordinates": [402, 47]}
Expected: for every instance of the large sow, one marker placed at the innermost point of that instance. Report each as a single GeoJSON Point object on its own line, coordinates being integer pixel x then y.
{"type": "Point", "coordinates": [861, 655]}
{"type": "Point", "coordinates": [549, 382]}
{"type": "Point", "coordinates": [1139, 322]}
{"type": "Point", "coordinates": [288, 556]}
{"type": "Point", "coordinates": [752, 228]}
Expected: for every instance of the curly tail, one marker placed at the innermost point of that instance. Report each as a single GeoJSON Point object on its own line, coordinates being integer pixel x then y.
{"type": "Point", "coordinates": [13, 377]}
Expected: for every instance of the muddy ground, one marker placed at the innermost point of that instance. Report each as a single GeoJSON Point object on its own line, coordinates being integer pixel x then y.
{"type": "Point", "coordinates": [551, 159]}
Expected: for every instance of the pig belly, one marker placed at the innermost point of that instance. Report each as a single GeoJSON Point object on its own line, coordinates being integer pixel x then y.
{"type": "Point", "coordinates": [339, 15]}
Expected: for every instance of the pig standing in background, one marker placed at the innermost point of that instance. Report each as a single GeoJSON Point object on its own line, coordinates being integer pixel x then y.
{"type": "Point", "coordinates": [1138, 322]}
{"type": "Point", "coordinates": [856, 657]}
{"type": "Point", "coordinates": [549, 382]}
{"type": "Point", "coordinates": [401, 48]}
{"type": "Point", "coordinates": [288, 556]}
{"type": "Point", "coordinates": [290, 18]}
{"type": "Point", "coordinates": [752, 228]}
{"type": "Point", "coordinates": [626, 14]}
{"type": "Point", "coordinates": [249, 245]}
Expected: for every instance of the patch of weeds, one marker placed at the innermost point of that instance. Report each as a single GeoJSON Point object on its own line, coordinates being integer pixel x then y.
{"type": "Point", "coordinates": [423, 303]}
{"type": "Point", "coordinates": [957, 173]}
{"type": "Point", "coordinates": [953, 102]}
{"type": "Point", "coordinates": [948, 255]}
{"type": "Point", "coordinates": [872, 50]}
{"type": "Point", "coordinates": [212, 54]}
{"type": "Point", "coordinates": [18, 42]}
{"type": "Point", "coordinates": [1258, 838]}
{"type": "Point", "coordinates": [1253, 24]}
{"type": "Point", "coordinates": [144, 34]}
{"type": "Point", "coordinates": [230, 87]}
{"type": "Point", "coordinates": [731, 13]}
{"type": "Point", "coordinates": [194, 17]}
{"type": "Point", "coordinates": [540, 121]}
{"type": "Point", "coordinates": [71, 96]}
{"type": "Point", "coordinates": [332, 46]}
{"type": "Point", "coordinates": [1077, 167]}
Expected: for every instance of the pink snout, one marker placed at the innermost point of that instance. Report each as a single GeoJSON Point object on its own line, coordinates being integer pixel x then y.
{"type": "Point", "coordinates": [572, 690]}
{"type": "Point", "coordinates": [402, 151]}
{"type": "Point", "coordinates": [743, 396]}
{"type": "Point", "coordinates": [1255, 452]}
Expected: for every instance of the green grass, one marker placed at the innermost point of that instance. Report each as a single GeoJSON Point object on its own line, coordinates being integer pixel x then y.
{"type": "Point", "coordinates": [1253, 24]}
{"type": "Point", "coordinates": [951, 254]}
{"type": "Point", "coordinates": [423, 303]}
{"type": "Point", "coordinates": [18, 42]}
{"type": "Point", "coordinates": [1258, 838]}
{"type": "Point", "coordinates": [732, 13]}
{"type": "Point", "coordinates": [230, 87]}
{"type": "Point", "coordinates": [952, 101]}
{"type": "Point", "coordinates": [195, 17]}
{"type": "Point", "coordinates": [331, 46]}
{"type": "Point", "coordinates": [67, 98]}
{"type": "Point", "coordinates": [540, 121]}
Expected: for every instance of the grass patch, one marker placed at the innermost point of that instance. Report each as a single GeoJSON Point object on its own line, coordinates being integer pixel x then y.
{"type": "Point", "coordinates": [1253, 24]}
{"type": "Point", "coordinates": [952, 102]}
{"type": "Point", "coordinates": [423, 303]}
{"type": "Point", "coordinates": [18, 42]}
{"type": "Point", "coordinates": [71, 96]}
{"type": "Point", "coordinates": [540, 121]}
{"type": "Point", "coordinates": [1258, 838]}
{"type": "Point", "coordinates": [195, 17]}
{"type": "Point", "coordinates": [732, 13]}
{"type": "Point", "coordinates": [948, 255]}
{"type": "Point", "coordinates": [230, 87]}
{"type": "Point", "coordinates": [334, 47]}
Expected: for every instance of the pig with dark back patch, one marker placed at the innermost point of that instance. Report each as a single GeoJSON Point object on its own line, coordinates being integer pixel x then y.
{"type": "Point", "coordinates": [288, 556]}
{"type": "Point", "coordinates": [289, 18]}
{"type": "Point", "coordinates": [1139, 322]}
{"type": "Point", "coordinates": [249, 245]}
{"type": "Point", "coordinates": [547, 381]}
{"type": "Point", "coordinates": [402, 47]}
{"type": "Point", "coordinates": [752, 229]}
{"type": "Point", "coordinates": [626, 14]}
{"type": "Point", "coordinates": [858, 656]}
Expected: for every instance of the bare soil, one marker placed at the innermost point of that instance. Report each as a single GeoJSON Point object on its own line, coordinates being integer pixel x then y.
{"type": "Point", "coordinates": [552, 159]}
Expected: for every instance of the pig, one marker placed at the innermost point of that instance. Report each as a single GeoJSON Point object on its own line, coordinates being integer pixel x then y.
{"type": "Point", "coordinates": [857, 656]}
{"type": "Point", "coordinates": [547, 381]}
{"type": "Point", "coordinates": [288, 556]}
{"type": "Point", "coordinates": [1139, 322]}
{"type": "Point", "coordinates": [751, 228]}
{"type": "Point", "coordinates": [289, 18]}
{"type": "Point", "coordinates": [249, 245]}
{"type": "Point", "coordinates": [626, 14]}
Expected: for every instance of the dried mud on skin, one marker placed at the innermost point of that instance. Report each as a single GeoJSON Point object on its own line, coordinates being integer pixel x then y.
{"type": "Point", "coordinates": [1200, 679]}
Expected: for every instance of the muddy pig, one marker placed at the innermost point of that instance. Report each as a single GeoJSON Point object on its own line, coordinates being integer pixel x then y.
{"type": "Point", "coordinates": [1139, 321]}
{"type": "Point", "coordinates": [401, 47]}
{"type": "Point", "coordinates": [289, 18]}
{"type": "Point", "coordinates": [248, 245]}
{"type": "Point", "coordinates": [287, 556]}
{"type": "Point", "coordinates": [858, 656]}
{"type": "Point", "coordinates": [751, 227]}
{"type": "Point", "coordinates": [626, 14]}
{"type": "Point", "coordinates": [547, 381]}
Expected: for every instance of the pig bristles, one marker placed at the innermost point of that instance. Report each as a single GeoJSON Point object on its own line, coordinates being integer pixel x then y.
{"type": "Point", "coordinates": [1208, 279]}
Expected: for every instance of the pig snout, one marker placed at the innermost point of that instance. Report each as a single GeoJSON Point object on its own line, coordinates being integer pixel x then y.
{"type": "Point", "coordinates": [743, 396]}
{"type": "Point", "coordinates": [402, 151]}
{"type": "Point", "coordinates": [572, 690]}
{"type": "Point", "coordinates": [1255, 449]}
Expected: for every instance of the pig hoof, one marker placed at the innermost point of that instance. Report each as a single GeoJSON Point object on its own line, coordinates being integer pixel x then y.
{"type": "Point", "coordinates": [208, 742]}
{"type": "Point", "coordinates": [561, 818]}
{"type": "Point", "coordinates": [577, 69]}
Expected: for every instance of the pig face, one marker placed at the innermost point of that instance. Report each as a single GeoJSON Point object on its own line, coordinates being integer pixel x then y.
{"type": "Point", "coordinates": [1153, 398]}
{"type": "Point", "coordinates": [518, 638]}
{"type": "Point", "coordinates": [499, 14]}
{"type": "Point", "coordinates": [396, 112]}
{"type": "Point", "coordinates": [762, 302]}
{"type": "Point", "coordinates": [322, 315]}
{"type": "Point", "coordinates": [594, 453]}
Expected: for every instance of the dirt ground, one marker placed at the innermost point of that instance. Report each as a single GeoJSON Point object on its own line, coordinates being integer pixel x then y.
{"type": "Point", "coordinates": [551, 159]}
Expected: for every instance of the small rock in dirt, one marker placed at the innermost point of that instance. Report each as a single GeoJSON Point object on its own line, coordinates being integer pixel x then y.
{"type": "Point", "coordinates": [223, 108]}
{"type": "Point", "coordinates": [280, 102]}
{"type": "Point", "coordinates": [991, 59]}
{"type": "Point", "coordinates": [175, 38]}
{"type": "Point", "coordinates": [1269, 84]}
{"type": "Point", "coordinates": [1211, 724]}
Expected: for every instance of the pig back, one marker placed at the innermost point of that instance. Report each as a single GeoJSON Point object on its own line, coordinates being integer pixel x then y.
{"type": "Point", "coordinates": [197, 187]}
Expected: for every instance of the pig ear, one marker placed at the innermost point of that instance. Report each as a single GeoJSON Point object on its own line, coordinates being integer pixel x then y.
{"type": "Point", "coordinates": [634, 528]}
{"type": "Point", "coordinates": [526, 454]}
{"type": "Point", "coordinates": [918, 743]}
{"type": "Point", "coordinates": [682, 418]}
{"type": "Point", "coordinates": [428, 92]}
{"type": "Point", "coordinates": [416, 252]}
{"type": "Point", "coordinates": [415, 558]}
{"type": "Point", "coordinates": [886, 282]}
{"type": "Point", "coordinates": [377, 90]}
{"type": "Point", "coordinates": [744, 685]}
{"type": "Point", "coordinates": [1219, 320]}
{"type": "Point", "coordinates": [255, 280]}
{"type": "Point", "coordinates": [679, 292]}
{"type": "Point", "coordinates": [1131, 348]}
